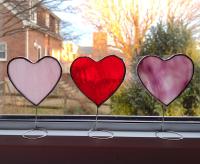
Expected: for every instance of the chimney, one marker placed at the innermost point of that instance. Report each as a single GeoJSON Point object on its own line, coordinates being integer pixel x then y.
{"type": "Point", "coordinates": [99, 44]}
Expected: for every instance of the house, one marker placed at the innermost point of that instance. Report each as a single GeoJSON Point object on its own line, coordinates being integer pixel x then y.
{"type": "Point", "coordinates": [100, 48]}
{"type": "Point", "coordinates": [27, 29]}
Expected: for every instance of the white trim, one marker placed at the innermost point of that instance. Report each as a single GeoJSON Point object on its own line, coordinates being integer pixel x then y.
{"type": "Point", "coordinates": [32, 12]}
{"type": "Point", "coordinates": [46, 45]}
{"type": "Point", "coordinates": [6, 52]}
{"type": "Point", "coordinates": [39, 48]}
{"type": "Point", "coordinates": [27, 43]}
{"type": "Point", "coordinates": [57, 28]}
{"type": "Point", "coordinates": [47, 19]}
{"type": "Point", "coordinates": [79, 133]}
{"type": "Point", "coordinates": [34, 16]}
{"type": "Point", "coordinates": [86, 124]}
{"type": "Point", "coordinates": [45, 51]}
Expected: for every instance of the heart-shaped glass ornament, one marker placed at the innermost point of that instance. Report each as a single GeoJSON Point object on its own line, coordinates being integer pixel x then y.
{"type": "Point", "coordinates": [98, 81]}
{"type": "Point", "coordinates": [35, 81]}
{"type": "Point", "coordinates": [165, 79]}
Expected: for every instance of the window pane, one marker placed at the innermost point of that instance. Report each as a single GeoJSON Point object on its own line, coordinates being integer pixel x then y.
{"type": "Point", "coordinates": [2, 47]}
{"type": "Point", "coordinates": [2, 55]}
{"type": "Point", "coordinates": [129, 29]}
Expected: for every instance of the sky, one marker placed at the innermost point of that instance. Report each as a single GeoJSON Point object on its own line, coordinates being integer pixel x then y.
{"type": "Point", "coordinates": [82, 27]}
{"type": "Point", "coordinates": [79, 25]}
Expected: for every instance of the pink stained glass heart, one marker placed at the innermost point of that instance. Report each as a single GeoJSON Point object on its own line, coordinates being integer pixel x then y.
{"type": "Point", "coordinates": [166, 79]}
{"type": "Point", "coordinates": [35, 81]}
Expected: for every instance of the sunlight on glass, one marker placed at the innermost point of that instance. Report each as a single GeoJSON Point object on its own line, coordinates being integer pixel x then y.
{"type": "Point", "coordinates": [129, 29]}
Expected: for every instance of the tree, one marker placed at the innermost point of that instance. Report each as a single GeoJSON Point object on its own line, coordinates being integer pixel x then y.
{"type": "Point", "coordinates": [187, 12]}
{"type": "Point", "coordinates": [25, 10]}
{"type": "Point", "coordinates": [163, 39]}
{"type": "Point", "coordinates": [191, 97]}
{"type": "Point", "coordinates": [172, 38]}
{"type": "Point", "coordinates": [127, 22]}
{"type": "Point", "coordinates": [133, 100]}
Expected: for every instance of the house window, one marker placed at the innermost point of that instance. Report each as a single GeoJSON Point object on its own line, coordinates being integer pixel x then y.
{"type": "Point", "coordinates": [47, 18]}
{"type": "Point", "coordinates": [56, 27]}
{"type": "Point", "coordinates": [33, 11]}
{"type": "Point", "coordinates": [34, 16]}
{"type": "Point", "coordinates": [3, 51]}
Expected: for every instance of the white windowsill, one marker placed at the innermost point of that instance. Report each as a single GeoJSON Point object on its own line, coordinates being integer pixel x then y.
{"type": "Point", "coordinates": [117, 134]}
{"type": "Point", "coordinates": [3, 60]}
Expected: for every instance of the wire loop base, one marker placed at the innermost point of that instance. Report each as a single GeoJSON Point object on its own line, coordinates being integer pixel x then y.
{"type": "Point", "coordinates": [169, 135]}
{"type": "Point", "coordinates": [34, 134]}
{"type": "Point", "coordinates": [100, 134]}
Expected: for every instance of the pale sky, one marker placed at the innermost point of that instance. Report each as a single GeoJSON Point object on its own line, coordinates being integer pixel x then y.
{"type": "Point", "coordinates": [79, 25]}
{"type": "Point", "coordinates": [84, 29]}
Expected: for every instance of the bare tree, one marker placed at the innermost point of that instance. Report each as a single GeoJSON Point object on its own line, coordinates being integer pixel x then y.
{"type": "Point", "coordinates": [125, 21]}
{"type": "Point", "coordinates": [14, 13]}
{"type": "Point", "coordinates": [186, 11]}
{"type": "Point", "coordinates": [128, 21]}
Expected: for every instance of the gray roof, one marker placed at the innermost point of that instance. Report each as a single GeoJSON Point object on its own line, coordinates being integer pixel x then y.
{"type": "Point", "coordinates": [85, 50]}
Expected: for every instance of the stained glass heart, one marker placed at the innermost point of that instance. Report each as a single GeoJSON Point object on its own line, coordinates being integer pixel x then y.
{"type": "Point", "coordinates": [35, 81]}
{"type": "Point", "coordinates": [98, 80]}
{"type": "Point", "coordinates": [165, 79]}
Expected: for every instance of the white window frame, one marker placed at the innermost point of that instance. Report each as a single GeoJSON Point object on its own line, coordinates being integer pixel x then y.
{"type": "Point", "coordinates": [111, 123]}
{"type": "Point", "coordinates": [47, 19]}
{"type": "Point", "coordinates": [6, 53]}
{"type": "Point", "coordinates": [33, 12]}
{"type": "Point", "coordinates": [39, 52]}
{"type": "Point", "coordinates": [57, 26]}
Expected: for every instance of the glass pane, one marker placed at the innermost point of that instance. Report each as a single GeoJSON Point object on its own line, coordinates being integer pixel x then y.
{"type": "Point", "coordinates": [2, 47]}
{"type": "Point", "coordinates": [2, 55]}
{"type": "Point", "coordinates": [129, 29]}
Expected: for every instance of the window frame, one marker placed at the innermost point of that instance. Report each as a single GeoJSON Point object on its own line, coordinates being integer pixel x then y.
{"type": "Point", "coordinates": [39, 52]}
{"type": "Point", "coordinates": [57, 28]}
{"type": "Point", "coordinates": [116, 123]}
{"type": "Point", "coordinates": [112, 123]}
{"type": "Point", "coordinates": [6, 52]}
{"type": "Point", "coordinates": [33, 12]}
{"type": "Point", "coordinates": [47, 19]}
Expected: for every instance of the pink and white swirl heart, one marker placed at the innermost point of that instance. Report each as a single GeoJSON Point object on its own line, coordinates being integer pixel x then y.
{"type": "Point", "coordinates": [35, 81]}
{"type": "Point", "coordinates": [165, 79]}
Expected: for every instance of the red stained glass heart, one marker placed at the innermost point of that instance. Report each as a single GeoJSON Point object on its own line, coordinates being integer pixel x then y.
{"type": "Point", "coordinates": [165, 79]}
{"type": "Point", "coordinates": [98, 80]}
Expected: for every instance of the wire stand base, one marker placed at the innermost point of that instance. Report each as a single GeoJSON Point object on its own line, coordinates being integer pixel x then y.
{"type": "Point", "coordinates": [96, 133]}
{"type": "Point", "coordinates": [167, 135]}
{"type": "Point", "coordinates": [100, 134]}
{"type": "Point", "coordinates": [36, 132]}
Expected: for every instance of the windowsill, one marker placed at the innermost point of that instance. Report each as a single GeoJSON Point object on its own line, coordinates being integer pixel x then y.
{"type": "Point", "coordinates": [123, 128]}
{"type": "Point", "coordinates": [80, 139]}
{"type": "Point", "coordinates": [3, 60]}
{"type": "Point", "coordinates": [80, 133]}
{"type": "Point", "coordinates": [74, 147]}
